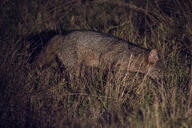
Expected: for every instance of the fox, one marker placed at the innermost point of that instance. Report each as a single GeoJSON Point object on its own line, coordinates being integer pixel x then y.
{"type": "Point", "coordinates": [93, 49]}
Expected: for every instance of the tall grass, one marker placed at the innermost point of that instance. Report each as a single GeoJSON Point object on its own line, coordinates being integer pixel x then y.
{"type": "Point", "coordinates": [50, 97]}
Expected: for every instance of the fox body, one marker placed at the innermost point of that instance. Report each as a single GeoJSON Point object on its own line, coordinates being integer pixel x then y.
{"type": "Point", "coordinates": [94, 49]}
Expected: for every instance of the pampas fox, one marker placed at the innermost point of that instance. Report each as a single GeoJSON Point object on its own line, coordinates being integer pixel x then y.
{"type": "Point", "coordinates": [93, 49]}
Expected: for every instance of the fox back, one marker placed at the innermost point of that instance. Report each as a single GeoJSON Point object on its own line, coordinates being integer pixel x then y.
{"type": "Point", "coordinates": [94, 49]}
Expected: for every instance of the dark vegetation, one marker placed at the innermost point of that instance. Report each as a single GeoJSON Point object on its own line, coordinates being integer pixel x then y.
{"type": "Point", "coordinates": [33, 97]}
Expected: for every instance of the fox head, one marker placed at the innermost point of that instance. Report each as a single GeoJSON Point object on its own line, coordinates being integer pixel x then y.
{"type": "Point", "coordinates": [156, 69]}
{"type": "Point", "coordinates": [153, 57]}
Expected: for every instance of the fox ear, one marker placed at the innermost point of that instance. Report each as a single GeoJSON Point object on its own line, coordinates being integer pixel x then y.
{"type": "Point", "coordinates": [153, 57]}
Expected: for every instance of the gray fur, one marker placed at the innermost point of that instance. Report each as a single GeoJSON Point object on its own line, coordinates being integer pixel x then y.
{"type": "Point", "coordinates": [94, 49]}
